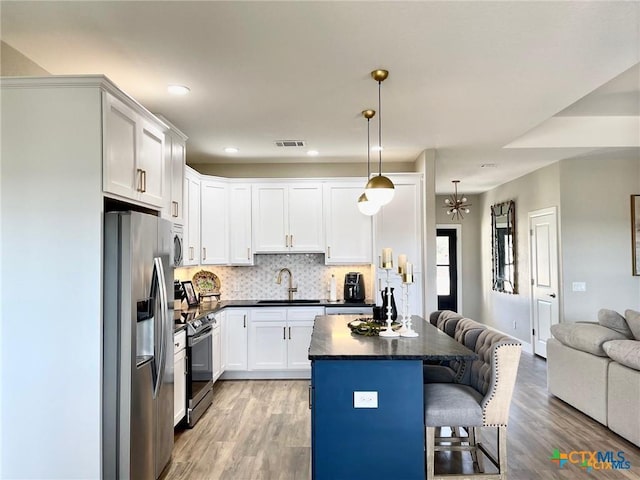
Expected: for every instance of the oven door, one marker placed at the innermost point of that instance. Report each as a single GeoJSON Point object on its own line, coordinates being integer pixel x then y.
{"type": "Point", "coordinates": [200, 369]}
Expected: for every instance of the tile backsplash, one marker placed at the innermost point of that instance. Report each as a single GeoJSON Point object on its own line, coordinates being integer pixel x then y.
{"type": "Point", "coordinates": [310, 275]}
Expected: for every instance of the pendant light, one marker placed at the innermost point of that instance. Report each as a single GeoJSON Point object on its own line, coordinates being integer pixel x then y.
{"type": "Point", "coordinates": [456, 206]}
{"type": "Point", "coordinates": [365, 206]}
{"type": "Point", "coordinates": [379, 189]}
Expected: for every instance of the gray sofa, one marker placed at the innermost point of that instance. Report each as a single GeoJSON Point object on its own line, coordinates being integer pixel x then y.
{"type": "Point", "coordinates": [595, 367]}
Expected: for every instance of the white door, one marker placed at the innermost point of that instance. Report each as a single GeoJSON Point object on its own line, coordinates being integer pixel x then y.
{"type": "Point", "coordinates": [298, 341]}
{"type": "Point", "coordinates": [240, 225]}
{"type": "Point", "coordinates": [213, 223]}
{"type": "Point", "coordinates": [267, 346]}
{"type": "Point", "coordinates": [151, 163]}
{"type": "Point", "coordinates": [270, 219]}
{"type": "Point", "coordinates": [544, 275]}
{"type": "Point", "coordinates": [306, 232]}
{"type": "Point", "coordinates": [236, 325]}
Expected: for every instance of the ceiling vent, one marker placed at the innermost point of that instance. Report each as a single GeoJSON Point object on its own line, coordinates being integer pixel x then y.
{"type": "Point", "coordinates": [289, 143]}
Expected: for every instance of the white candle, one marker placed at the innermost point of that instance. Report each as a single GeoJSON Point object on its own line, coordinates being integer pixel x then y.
{"type": "Point", "coordinates": [386, 257]}
{"type": "Point", "coordinates": [402, 263]}
{"type": "Point", "coordinates": [409, 269]}
{"type": "Point", "coordinates": [407, 276]}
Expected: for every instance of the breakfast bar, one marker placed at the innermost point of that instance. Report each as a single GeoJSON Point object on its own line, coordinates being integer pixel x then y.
{"type": "Point", "coordinates": [367, 399]}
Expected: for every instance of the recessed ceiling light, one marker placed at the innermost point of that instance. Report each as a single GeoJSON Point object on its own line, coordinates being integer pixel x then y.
{"type": "Point", "coordinates": [488, 165]}
{"type": "Point", "coordinates": [231, 150]}
{"type": "Point", "coordinates": [178, 89]}
{"type": "Point", "coordinates": [313, 153]}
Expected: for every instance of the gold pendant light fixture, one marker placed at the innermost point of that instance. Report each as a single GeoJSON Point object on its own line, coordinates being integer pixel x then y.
{"type": "Point", "coordinates": [455, 205]}
{"type": "Point", "coordinates": [379, 189]}
{"type": "Point", "coordinates": [365, 206]}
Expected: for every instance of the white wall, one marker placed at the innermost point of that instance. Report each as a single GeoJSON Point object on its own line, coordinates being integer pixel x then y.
{"type": "Point", "coordinates": [596, 234]}
{"type": "Point", "coordinates": [14, 64]}
{"type": "Point", "coordinates": [539, 189]}
{"type": "Point", "coordinates": [51, 289]}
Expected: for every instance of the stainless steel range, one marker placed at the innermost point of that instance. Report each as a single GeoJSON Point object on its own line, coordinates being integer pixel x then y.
{"type": "Point", "coordinates": [199, 363]}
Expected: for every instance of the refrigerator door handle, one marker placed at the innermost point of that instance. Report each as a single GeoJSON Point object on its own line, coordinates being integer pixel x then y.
{"type": "Point", "coordinates": [159, 272]}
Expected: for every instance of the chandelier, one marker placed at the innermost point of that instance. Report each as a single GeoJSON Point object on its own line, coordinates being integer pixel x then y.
{"type": "Point", "coordinates": [366, 206]}
{"type": "Point", "coordinates": [379, 189]}
{"type": "Point", "coordinates": [455, 205]}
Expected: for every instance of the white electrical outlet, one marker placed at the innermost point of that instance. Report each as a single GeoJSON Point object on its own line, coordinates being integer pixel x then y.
{"type": "Point", "coordinates": [365, 399]}
{"type": "Point", "coordinates": [579, 286]}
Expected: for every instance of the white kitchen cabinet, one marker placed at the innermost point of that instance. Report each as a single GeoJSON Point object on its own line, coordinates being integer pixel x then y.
{"type": "Point", "coordinates": [133, 143]}
{"type": "Point", "coordinates": [279, 338]}
{"type": "Point", "coordinates": [398, 226]}
{"type": "Point", "coordinates": [180, 377]}
{"type": "Point", "coordinates": [216, 363]}
{"type": "Point", "coordinates": [240, 250]}
{"type": "Point", "coordinates": [236, 326]}
{"type": "Point", "coordinates": [222, 320]}
{"type": "Point", "coordinates": [192, 218]}
{"type": "Point", "coordinates": [349, 233]}
{"type": "Point", "coordinates": [287, 218]}
{"type": "Point", "coordinates": [174, 162]}
{"type": "Point", "coordinates": [214, 239]}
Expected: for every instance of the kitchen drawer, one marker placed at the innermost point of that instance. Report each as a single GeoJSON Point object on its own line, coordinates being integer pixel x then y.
{"type": "Point", "coordinates": [179, 341]}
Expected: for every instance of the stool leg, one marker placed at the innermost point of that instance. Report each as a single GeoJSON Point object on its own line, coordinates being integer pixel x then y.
{"type": "Point", "coordinates": [430, 441]}
{"type": "Point", "coordinates": [477, 459]}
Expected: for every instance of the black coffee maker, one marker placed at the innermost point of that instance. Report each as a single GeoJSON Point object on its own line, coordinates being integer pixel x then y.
{"type": "Point", "coordinates": [353, 287]}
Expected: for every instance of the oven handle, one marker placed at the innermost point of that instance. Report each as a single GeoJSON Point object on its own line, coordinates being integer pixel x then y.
{"type": "Point", "coordinates": [207, 332]}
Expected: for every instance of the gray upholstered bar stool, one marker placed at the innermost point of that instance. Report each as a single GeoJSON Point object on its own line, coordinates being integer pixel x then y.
{"type": "Point", "coordinates": [484, 402]}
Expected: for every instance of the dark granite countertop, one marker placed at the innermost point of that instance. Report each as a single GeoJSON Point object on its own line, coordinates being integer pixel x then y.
{"type": "Point", "coordinates": [177, 326]}
{"type": "Point", "coordinates": [332, 340]}
{"type": "Point", "coordinates": [213, 307]}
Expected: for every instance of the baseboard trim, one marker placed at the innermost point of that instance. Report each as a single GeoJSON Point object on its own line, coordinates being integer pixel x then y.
{"type": "Point", "coordinates": [266, 375]}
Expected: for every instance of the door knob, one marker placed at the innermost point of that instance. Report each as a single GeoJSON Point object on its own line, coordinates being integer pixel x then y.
{"type": "Point", "coordinates": [552, 295]}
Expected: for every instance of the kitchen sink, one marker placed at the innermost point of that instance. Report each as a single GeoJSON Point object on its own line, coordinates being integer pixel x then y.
{"type": "Point", "coordinates": [289, 301]}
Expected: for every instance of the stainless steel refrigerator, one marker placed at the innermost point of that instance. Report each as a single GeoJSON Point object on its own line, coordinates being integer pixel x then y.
{"type": "Point", "coordinates": [137, 422]}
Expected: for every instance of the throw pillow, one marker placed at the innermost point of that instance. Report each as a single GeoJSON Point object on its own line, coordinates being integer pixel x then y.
{"type": "Point", "coordinates": [586, 337]}
{"type": "Point", "coordinates": [614, 321]}
{"type": "Point", "coordinates": [633, 320]}
{"type": "Point", "coordinates": [626, 352]}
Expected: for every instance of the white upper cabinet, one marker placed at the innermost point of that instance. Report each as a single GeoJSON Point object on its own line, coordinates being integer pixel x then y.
{"type": "Point", "coordinates": [240, 250]}
{"type": "Point", "coordinates": [349, 233]}
{"type": "Point", "coordinates": [133, 165]}
{"type": "Point", "coordinates": [174, 162]}
{"type": "Point", "coordinates": [287, 218]}
{"type": "Point", "coordinates": [398, 224]}
{"type": "Point", "coordinates": [192, 217]}
{"type": "Point", "coordinates": [213, 222]}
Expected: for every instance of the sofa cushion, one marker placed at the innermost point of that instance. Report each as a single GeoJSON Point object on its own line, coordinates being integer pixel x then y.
{"type": "Point", "coordinates": [613, 320]}
{"type": "Point", "coordinates": [625, 352]}
{"type": "Point", "coordinates": [633, 320]}
{"type": "Point", "coordinates": [586, 337]}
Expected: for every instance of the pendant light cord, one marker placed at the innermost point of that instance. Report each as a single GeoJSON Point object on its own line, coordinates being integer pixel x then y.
{"type": "Point", "coordinates": [368, 150]}
{"type": "Point", "coordinates": [379, 131]}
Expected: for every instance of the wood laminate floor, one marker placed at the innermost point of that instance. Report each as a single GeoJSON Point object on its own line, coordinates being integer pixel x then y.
{"type": "Point", "coordinates": [259, 429]}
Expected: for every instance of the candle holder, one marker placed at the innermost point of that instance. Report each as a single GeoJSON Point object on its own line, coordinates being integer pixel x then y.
{"type": "Point", "coordinates": [389, 331]}
{"type": "Point", "coordinates": [406, 330]}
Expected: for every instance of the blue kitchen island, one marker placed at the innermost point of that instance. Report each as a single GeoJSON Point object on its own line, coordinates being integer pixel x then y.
{"type": "Point", "coordinates": [384, 437]}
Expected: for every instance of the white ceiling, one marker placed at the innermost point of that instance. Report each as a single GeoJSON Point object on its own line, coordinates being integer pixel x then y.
{"type": "Point", "coordinates": [466, 78]}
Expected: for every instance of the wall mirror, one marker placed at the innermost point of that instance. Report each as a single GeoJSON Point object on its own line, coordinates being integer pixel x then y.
{"type": "Point", "coordinates": [503, 232]}
{"type": "Point", "coordinates": [635, 234]}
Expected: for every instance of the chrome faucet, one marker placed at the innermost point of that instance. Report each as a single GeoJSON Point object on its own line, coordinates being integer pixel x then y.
{"type": "Point", "coordinates": [291, 288]}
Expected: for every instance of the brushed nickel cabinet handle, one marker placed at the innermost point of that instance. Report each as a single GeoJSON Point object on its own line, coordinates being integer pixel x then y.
{"type": "Point", "coordinates": [291, 242]}
{"type": "Point", "coordinates": [289, 333]}
{"type": "Point", "coordinates": [244, 319]}
{"type": "Point", "coordinates": [310, 396]}
{"type": "Point", "coordinates": [284, 333]}
{"type": "Point", "coordinates": [204, 253]}
{"type": "Point", "coordinates": [144, 181]}
{"type": "Point", "coordinates": [248, 253]}
{"type": "Point", "coordinates": [329, 252]}
{"type": "Point", "coordinates": [174, 206]}
{"type": "Point", "coordinates": [286, 240]}
{"type": "Point", "coordinates": [139, 182]}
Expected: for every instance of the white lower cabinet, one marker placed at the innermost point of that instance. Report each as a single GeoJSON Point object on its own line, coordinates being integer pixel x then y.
{"type": "Point", "coordinates": [279, 337]}
{"type": "Point", "coordinates": [236, 328]}
{"type": "Point", "coordinates": [216, 363]}
{"type": "Point", "coordinates": [180, 376]}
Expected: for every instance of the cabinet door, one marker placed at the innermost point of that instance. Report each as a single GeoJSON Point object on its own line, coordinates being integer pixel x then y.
{"type": "Point", "coordinates": [240, 225]}
{"type": "Point", "coordinates": [222, 320]}
{"type": "Point", "coordinates": [306, 231]}
{"type": "Point", "coordinates": [349, 233]}
{"type": "Point", "coordinates": [179, 386]}
{"type": "Point", "coordinates": [268, 346]}
{"type": "Point", "coordinates": [120, 148]}
{"type": "Point", "coordinates": [150, 166]}
{"type": "Point", "coordinates": [217, 353]}
{"type": "Point", "coordinates": [270, 214]}
{"type": "Point", "coordinates": [236, 331]}
{"type": "Point", "coordinates": [298, 341]}
{"type": "Point", "coordinates": [192, 220]}
{"type": "Point", "coordinates": [174, 148]}
{"type": "Point", "coordinates": [213, 223]}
